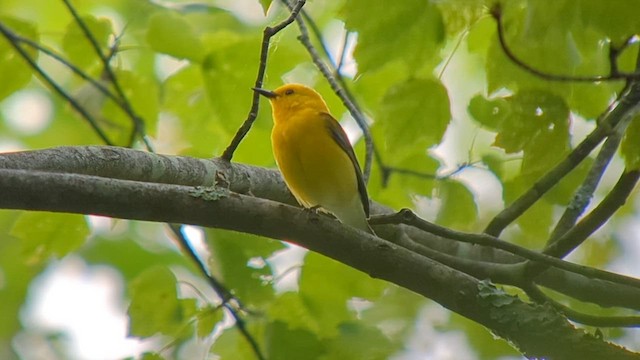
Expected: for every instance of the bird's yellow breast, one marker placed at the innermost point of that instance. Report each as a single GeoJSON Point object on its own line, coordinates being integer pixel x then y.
{"type": "Point", "coordinates": [315, 168]}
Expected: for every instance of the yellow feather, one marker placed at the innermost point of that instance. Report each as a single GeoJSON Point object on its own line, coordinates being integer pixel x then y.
{"type": "Point", "coordinates": [314, 155]}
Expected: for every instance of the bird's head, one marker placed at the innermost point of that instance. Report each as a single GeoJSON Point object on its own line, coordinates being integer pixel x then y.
{"type": "Point", "coordinates": [291, 98]}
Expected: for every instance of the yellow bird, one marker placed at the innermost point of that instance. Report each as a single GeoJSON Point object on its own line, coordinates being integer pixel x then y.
{"type": "Point", "coordinates": [315, 157]}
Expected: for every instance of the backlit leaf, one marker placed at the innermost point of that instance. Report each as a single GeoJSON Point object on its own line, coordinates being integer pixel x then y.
{"type": "Point", "coordinates": [414, 114]}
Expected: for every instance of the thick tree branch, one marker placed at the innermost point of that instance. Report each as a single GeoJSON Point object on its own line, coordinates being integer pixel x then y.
{"type": "Point", "coordinates": [536, 330]}
{"type": "Point", "coordinates": [126, 164]}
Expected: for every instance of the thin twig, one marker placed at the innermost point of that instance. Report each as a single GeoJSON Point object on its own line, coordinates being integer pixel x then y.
{"type": "Point", "coordinates": [614, 74]}
{"type": "Point", "coordinates": [338, 88]}
{"type": "Point", "coordinates": [583, 195]}
{"type": "Point", "coordinates": [406, 216]}
{"type": "Point", "coordinates": [539, 296]}
{"type": "Point", "coordinates": [267, 34]}
{"type": "Point", "coordinates": [596, 218]}
{"type": "Point", "coordinates": [14, 41]}
{"type": "Point", "coordinates": [138, 123]}
{"type": "Point", "coordinates": [223, 293]}
{"type": "Point", "coordinates": [343, 53]}
{"type": "Point", "coordinates": [95, 83]}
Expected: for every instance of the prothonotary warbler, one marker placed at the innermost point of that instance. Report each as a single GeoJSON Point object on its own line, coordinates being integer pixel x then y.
{"type": "Point", "coordinates": [315, 157]}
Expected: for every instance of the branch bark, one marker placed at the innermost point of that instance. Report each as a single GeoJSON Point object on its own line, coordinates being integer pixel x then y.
{"type": "Point", "coordinates": [538, 331]}
{"type": "Point", "coordinates": [130, 184]}
{"type": "Point", "coordinates": [126, 164]}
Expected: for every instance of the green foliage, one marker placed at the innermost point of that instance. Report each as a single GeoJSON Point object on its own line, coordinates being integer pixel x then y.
{"type": "Point", "coordinates": [327, 300]}
{"type": "Point", "coordinates": [266, 4]}
{"type": "Point", "coordinates": [562, 40]}
{"type": "Point", "coordinates": [155, 307]}
{"type": "Point", "coordinates": [241, 259]}
{"type": "Point", "coordinates": [170, 33]}
{"type": "Point", "coordinates": [414, 115]}
{"type": "Point", "coordinates": [49, 234]}
{"type": "Point", "coordinates": [630, 147]}
{"type": "Point", "coordinates": [410, 33]}
{"type": "Point", "coordinates": [76, 45]}
{"type": "Point", "coordinates": [284, 343]}
{"type": "Point", "coordinates": [458, 205]}
{"type": "Point", "coordinates": [208, 318]}
{"type": "Point", "coordinates": [187, 70]}
{"type": "Point", "coordinates": [15, 72]}
{"type": "Point", "coordinates": [17, 275]}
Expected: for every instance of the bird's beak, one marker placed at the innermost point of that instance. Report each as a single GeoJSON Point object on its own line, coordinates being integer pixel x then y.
{"type": "Point", "coordinates": [266, 93]}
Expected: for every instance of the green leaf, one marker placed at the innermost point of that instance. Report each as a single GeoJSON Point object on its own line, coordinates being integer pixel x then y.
{"type": "Point", "coordinates": [108, 251]}
{"type": "Point", "coordinates": [155, 307]}
{"type": "Point", "coordinates": [534, 122]}
{"type": "Point", "coordinates": [151, 356]}
{"type": "Point", "coordinates": [17, 274]}
{"type": "Point", "coordinates": [265, 5]}
{"type": "Point", "coordinates": [421, 163]}
{"type": "Point", "coordinates": [49, 234]}
{"type": "Point", "coordinates": [228, 74]}
{"type": "Point", "coordinates": [487, 345]}
{"type": "Point", "coordinates": [557, 40]}
{"type": "Point", "coordinates": [480, 35]}
{"type": "Point", "coordinates": [495, 164]}
{"type": "Point", "coordinates": [184, 98]}
{"type": "Point", "coordinates": [327, 300]}
{"type": "Point", "coordinates": [459, 208]}
{"type": "Point", "coordinates": [143, 95]}
{"type": "Point", "coordinates": [284, 343]}
{"type": "Point", "coordinates": [533, 117]}
{"type": "Point", "coordinates": [292, 309]}
{"type": "Point", "coordinates": [537, 220]}
{"type": "Point", "coordinates": [563, 192]}
{"type": "Point", "coordinates": [397, 305]}
{"type": "Point", "coordinates": [410, 33]}
{"type": "Point", "coordinates": [414, 114]}
{"type": "Point", "coordinates": [77, 46]}
{"type": "Point", "coordinates": [170, 33]}
{"type": "Point", "coordinates": [630, 147]}
{"type": "Point", "coordinates": [598, 15]}
{"type": "Point", "coordinates": [208, 318]}
{"type": "Point", "coordinates": [232, 345]}
{"type": "Point", "coordinates": [358, 341]}
{"type": "Point", "coordinates": [15, 73]}
{"type": "Point", "coordinates": [489, 113]}
{"type": "Point", "coordinates": [240, 260]}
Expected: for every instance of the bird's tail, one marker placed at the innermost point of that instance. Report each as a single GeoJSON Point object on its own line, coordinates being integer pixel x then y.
{"type": "Point", "coordinates": [355, 216]}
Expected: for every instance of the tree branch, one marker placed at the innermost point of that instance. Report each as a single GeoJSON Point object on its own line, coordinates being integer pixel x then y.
{"type": "Point", "coordinates": [612, 202]}
{"type": "Point", "coordinates": [125, 105]}
{"type": "Point", "coordinates": [587, 319]}
{"type": "Point", "coordinates": [408, 217]}
{"type": "Point", "coordinates": [267, 34]}
{"type": "Point", "coordinates": [583, 195]}
{"type": "Point", "coordinates": [533, 329]}
{"type": "Point", "coordinates": [126, 164]}
{"type": "Point", "coordinates": [627, 104]}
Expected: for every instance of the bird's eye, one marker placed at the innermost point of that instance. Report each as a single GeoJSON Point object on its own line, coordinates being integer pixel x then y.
{"type": "Point", "coordinates": [288, 92]}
